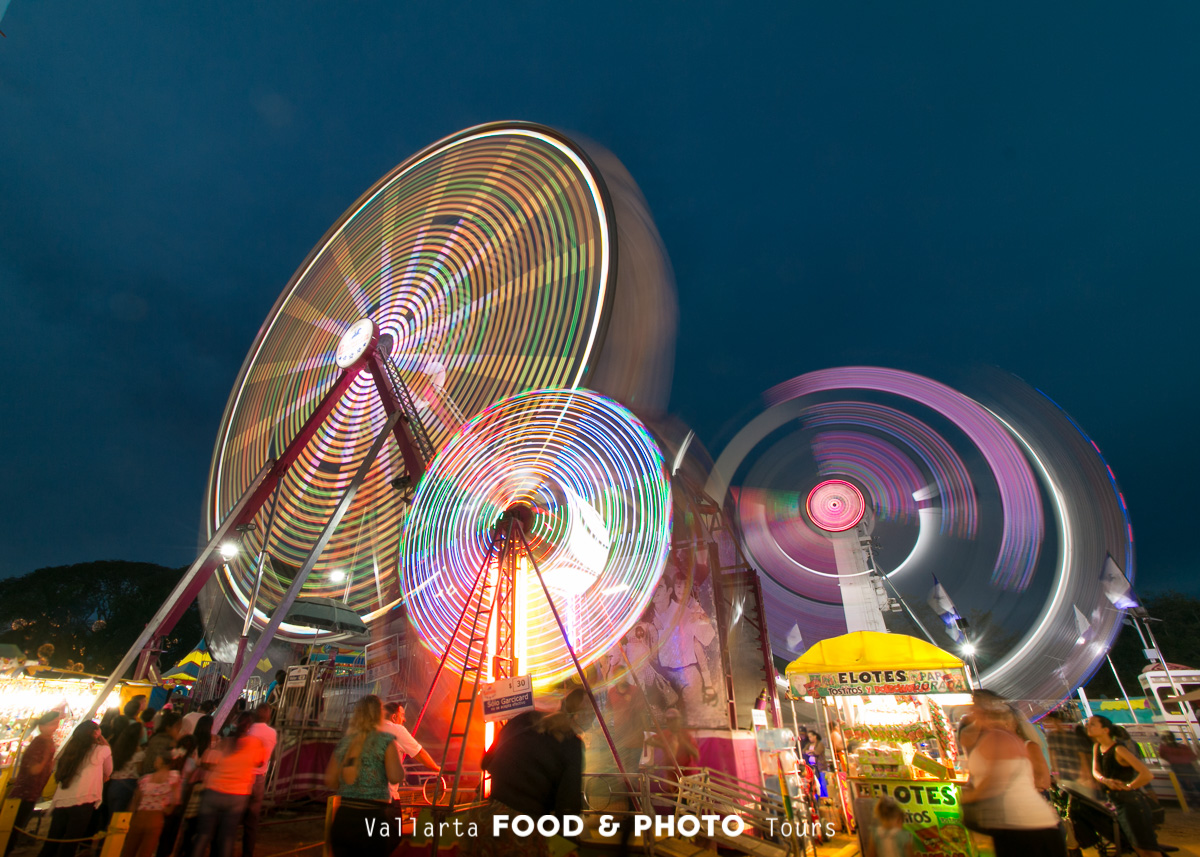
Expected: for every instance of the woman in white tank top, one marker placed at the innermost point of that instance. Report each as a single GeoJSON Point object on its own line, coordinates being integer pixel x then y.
{"type": "Point", "coordinates": [1017, 817]}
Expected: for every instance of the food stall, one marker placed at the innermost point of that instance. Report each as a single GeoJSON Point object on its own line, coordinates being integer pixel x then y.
{"type": "Point", "coordinates": [888, 694]}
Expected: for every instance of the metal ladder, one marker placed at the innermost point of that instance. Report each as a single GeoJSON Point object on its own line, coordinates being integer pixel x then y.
{"type": "Point", "coordinates": [467, 694]}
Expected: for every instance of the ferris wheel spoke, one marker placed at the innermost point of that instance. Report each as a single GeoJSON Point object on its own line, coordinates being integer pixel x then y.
{"type": "Point", "coordinates": [345, 265]}
{"type": "Point", "coordinates": [296, 307]}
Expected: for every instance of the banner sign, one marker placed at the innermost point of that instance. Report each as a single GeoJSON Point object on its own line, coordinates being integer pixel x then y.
{"type": "Point", "coordinates": [383, 658]}
{"type": "Point", "coordinates": [506, 697]}
{"type": "Point", "coordinates": [873, 682]}
{"type": "Point", "coordinates": [932, 814]}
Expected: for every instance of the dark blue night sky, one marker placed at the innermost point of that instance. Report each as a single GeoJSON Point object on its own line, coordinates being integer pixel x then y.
{"type": "Point", "coordinates": [836, 184]}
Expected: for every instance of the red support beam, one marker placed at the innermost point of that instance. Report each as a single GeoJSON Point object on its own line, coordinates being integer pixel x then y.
{"type": "Point", "coordinates": [413, 463]}
{"type": "Point", "coordinates": [261, 493]}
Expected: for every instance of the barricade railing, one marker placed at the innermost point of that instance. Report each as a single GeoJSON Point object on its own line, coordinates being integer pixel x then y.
{"type": "Point", "coordinates": [112, 839]}
{"type": "Point", "coordinates": [697, 792]}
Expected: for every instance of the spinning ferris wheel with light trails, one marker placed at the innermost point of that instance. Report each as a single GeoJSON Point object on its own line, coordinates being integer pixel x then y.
{"type": "Point", "coordinates": [1000, 495]}
{"type": "Point", "coordinates": [484, 266]}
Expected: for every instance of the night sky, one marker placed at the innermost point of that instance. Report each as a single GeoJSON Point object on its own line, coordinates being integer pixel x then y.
{"type": "Point", "coordinates": [835, 184]}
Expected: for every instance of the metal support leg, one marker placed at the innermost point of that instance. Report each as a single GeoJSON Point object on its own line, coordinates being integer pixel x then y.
{"type": "Point", "coordinates": [289, 597]}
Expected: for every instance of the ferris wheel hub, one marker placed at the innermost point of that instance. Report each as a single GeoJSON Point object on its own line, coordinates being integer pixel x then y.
{"type": "Point", "coordinates": [520, 514]}
{"type": "Point", "coordinates": [355, 341]}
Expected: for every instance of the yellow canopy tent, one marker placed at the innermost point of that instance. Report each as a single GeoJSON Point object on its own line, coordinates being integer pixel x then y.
{"type": "Point", "coordinates": [867, 662]}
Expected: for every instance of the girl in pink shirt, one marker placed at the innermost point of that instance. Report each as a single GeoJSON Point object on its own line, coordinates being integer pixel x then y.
{"type": "Point", "coordinates": [156, 796]}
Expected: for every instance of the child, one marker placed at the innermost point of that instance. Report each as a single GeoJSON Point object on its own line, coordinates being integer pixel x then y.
{"type": "Point", "coordinates": [157, 794]}
{"type": "Point", "coordinates": [888, 836]}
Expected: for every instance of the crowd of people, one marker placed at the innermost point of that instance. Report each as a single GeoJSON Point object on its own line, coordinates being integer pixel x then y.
{"type": "Point", "coordinates": [188, 790]}
{"type": "Point", "coordinates": [1047, 792]}
{"type": "Point", "coordinates": [535, 765]}
{"type": "Point", "coordinates": [1057, 790]}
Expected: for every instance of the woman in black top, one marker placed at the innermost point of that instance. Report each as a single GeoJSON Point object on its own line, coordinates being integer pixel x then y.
{"type": "Point", "coordinates": [1122, 774]}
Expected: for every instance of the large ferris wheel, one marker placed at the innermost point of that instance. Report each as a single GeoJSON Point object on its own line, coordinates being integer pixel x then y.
{"type": "Point", "coordinates": [485, 265]}
{"type": "Point", "coordinates": [501, 259]}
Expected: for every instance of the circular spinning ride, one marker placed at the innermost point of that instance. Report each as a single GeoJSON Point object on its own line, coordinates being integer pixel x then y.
{"type": "Point", "coordinates": [594, 499]}
{"type": "Point", "coordinates": [481, 267]}
{"type": "Point", "coordinates": [999, 495]}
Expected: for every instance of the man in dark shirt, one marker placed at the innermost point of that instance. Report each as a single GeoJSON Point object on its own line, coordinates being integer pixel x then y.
{"type": "Point", "coordinates": [536, 764]}
{"type": "Point", "coordinates": [37, 763]}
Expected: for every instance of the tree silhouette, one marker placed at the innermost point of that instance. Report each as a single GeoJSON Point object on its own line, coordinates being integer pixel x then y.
{"type": "Point", "coordinates": [1178, 635]}
{"type": "Point", "coordinates": [91, 612]}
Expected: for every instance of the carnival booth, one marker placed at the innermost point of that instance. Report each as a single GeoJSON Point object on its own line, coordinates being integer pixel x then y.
{"type": "Point", "coordinates": [23, 697]}
{"type": "Point", "coordinates": [888, 694]}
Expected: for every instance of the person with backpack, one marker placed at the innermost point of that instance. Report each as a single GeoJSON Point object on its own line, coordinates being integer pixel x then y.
{"type": "Point", "coordinates": [364, 762]}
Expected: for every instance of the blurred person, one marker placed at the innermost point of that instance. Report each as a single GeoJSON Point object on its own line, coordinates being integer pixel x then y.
{"type": "Point", "coordinates": [162, 741]}
{"type": "Point", "coordinates": [1070, 751]}
{"type": "Point", "coordinates": [227, 790]}
{"type": "Point", "coordinates": [156, 796]}
{"type": "Point", "coordinates": [203, 735]}
{"type": "Point", "coordinates": [813, 751]}
{"type": "Point", "coordinates": [181, 760]}
{"type": "Point", "coordinates": [627, 719]}
{"type": "Point", "coordinates": [275, 689]}
{"type": "Point", "coordinates": [1122, 775]}
{"type": "Point", "coordinates": [1016, 723]}
{"type": "Point", "coordinates": [1007, 804]}
{"type": "Point", "coordinates": [363, 765]}
{"type": "Point", "coordinates": [888, 838]}
{"type": "Point", "coordinates": [968, 729]}
{"type": "Point", "coordinates": [130, 712]}
{"type": "Point", "coordinates": [195, 772]}
{"type": "Point", "coordinates": [127, 755]}
{"type": "Point", "coordinates": [536, 765]}
{"type": "Point", "coordinates": [106, 723]}
{"type": "Point", "coordinates": [188, 724]}
{"type": "Point", "coordinates": [235, 717]}
{"type": "Point", "coordinates": [837, 743]}
{"type": "Point", "coordinates": [678, 747]}
{"type": "Point", "coordinates": [146, 719]}
{"type": "Point", "coordinates": [394, 717]}
{"type": "Point", "coordinates": [1182, 761]}
{"type": "Point", "coordinates": [37, 763]}
{"type": "Point", "coordinates": [83, 766]}
{"type": "Point", "coordinates": [260, 729]}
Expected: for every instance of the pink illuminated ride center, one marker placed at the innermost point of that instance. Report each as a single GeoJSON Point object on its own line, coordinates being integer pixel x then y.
{"type": "Point", "coordinates": [835, 506]}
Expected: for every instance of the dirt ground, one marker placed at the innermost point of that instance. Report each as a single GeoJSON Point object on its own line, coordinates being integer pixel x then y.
{"type": "Point", "coordinates": [287, 830]}
{"type": "Point", "coordinates": [1181, 829]}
